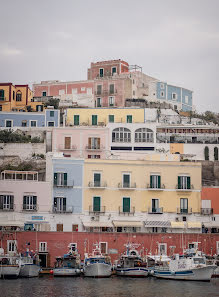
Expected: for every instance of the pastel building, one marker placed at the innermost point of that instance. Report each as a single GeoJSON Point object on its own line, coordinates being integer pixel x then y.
{"type": "Point", "coordinates": [210, 209]}
{"type": "Point", "coordinates": [49, 118]}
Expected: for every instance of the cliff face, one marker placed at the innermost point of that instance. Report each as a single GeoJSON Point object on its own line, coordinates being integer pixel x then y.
{"type": "Point", "coordinates": [210, 173]}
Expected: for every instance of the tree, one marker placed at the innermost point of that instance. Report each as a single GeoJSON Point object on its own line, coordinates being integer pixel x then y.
{"type": "Point", "coordinates": [52, 102]}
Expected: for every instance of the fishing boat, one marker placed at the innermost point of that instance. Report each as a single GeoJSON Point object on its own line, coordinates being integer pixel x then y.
{"type": "Point", "coordinates": [131, 264]}
{"type": "Point", "coordinates": [186, 267]}
{"type": "Point", "coordinates": [97, 264]}
{"type": "Point", "coordinates": [68, 265]}
{"type": "Point", "coordinates": [30, 265]}
{"type": "Point", "coordinates": [10, 265]}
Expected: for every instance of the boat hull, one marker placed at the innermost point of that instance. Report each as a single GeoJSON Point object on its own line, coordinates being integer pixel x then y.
{"type": "Point", "coordinates": [66, 271]}
{"type": "Point", "coordinates": [29, 270]}
{"type": "Point", "coordinates": [133, 272]}
{"type": "Point", "coordinates": [98, 270]}
{"type": "Point", "coordinates": [9, 271]}
{"type": "Point", "coordinates": [196, 274]}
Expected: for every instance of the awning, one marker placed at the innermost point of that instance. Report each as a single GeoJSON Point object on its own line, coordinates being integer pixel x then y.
{"type": "Point", "coordinates": [12, 224]}
{"type": "Point", "coordinates": [177, 225]}
{"type": "Point", "coordinates": [127, 224]}
{"type": "Point", "coordinates": [194, 225]}
{"type": "Point", "coordinates": [157, 224]}
{"type": "Point", "coordinates": [97, 224]}
{"type": "Point", "coordinates": [211, 224]}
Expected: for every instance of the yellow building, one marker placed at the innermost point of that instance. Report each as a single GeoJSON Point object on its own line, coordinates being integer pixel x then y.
{"type": "Point", "coordinates": [103, 116]}
{"type": "Point", "coordinates": [17, 98]}
{"type": "Point", "coordinates": [142, 187]}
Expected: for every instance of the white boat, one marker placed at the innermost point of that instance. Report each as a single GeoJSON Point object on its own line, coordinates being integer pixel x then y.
{"type": "Point", "coordinates": [68, 265]}
{"type": "Point", "coordinates": [131, 264]}
{"type": "Point", "coordinates": [29, 267]}
{"type": "Point", "coordinates": [97, 265]}
{"type": "Point", "coordinates": [10, 266]}
{"type": "Point", "coordinates": [186, 267]}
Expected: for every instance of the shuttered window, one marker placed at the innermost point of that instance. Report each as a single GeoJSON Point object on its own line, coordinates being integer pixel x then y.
{"type": "Point", "coordinates": [184, 182]}
{"type": "Point", "coordinates": [96, 203]}
{"type": "Point", "coordinates": [126, 204]}
{"type": "Point", "coordinates": [2, 95]}
{"type": "Point", "coordinates": [129, 118]}
{"type": "Point", "coordinates": [126, 180]}
{"type": "Point", "coordinates": [94, 120]}
{"type": "Point", "coordinates": [76, 120]}
{"type": "Point", "coordinates": [155, 182]}
{"type": "Point", "coordinates": [97, 179]}
{"type": "Point", "coordinates": [67, 143]}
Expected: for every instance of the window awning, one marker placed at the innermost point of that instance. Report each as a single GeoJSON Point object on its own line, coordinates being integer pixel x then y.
{"type": "Point", "coordinates": [97, 224]}
{"type": "Point", "coordinates": [12, 224]}
{"type": "Point", "coordinates": [194, 225]}
{"type": "Point", "coordinates": [127, 223]}
{"type": "Point", "coordinates": [157, 224]}
{"type": "Point", "coordinates": [179, 225]}
{"type": "Point", "coordinates": [211, 224]}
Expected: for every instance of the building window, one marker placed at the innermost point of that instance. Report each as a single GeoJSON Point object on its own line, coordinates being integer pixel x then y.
{"type": "Point", "coordinates": [144, 135]}
{"type": "Point", "coordinates": [111, 89]}
{"type": "Point", "coordinates": [174, 96]}
{"type": "Point", "coordinates": [30, 202]}
{"type": "Point", "coordinates": [51, 124]}
{"type": "Point", "coordinates": [83, 89]}
{"type": "Point", "coordinates": [2, 95]}
{"type": "Point", "coordinates": [24, 123]}
{"type": "Point", "coordinates": [13, 95]}
{"type": "Point", "coordinates": [52, 113]}
{"type": "Point", "coordinates": [162, 248]}
{"type": "Point", "coordinates": [93, 143]}
{"type": "Point", "coordinates": [129, 118]}
{"type": "Point", "coordinates": [67, 143]}
{"type": "Point", "coordinates": [111, 118]}
{"type": "Point", "coordinates": [6, 202]}
{"type": "Point", "coordinates": [73, 246]}
{"type": "Point", "coordinates": [99, 89]}
{"type": "Point", "coordinates": [113, 70]}
{"type": "Point", "coordinates": [183, 205]}
{"type": "Point", "coordinates": [8, 123]}
{"type": "Point", "coordinates": [18, 96]}
{"type": "Point", "coordinates": [60, 179]}
{"type": "Point", "coordinates": [111, 101]}
{"type": "Point", "coordinates": [126, 204]}
{"type": "Point", "coordinates": [216, 153]}
{"type": "Point", "coordinates": [99, 102]}
{"type": "Point", "coordinates": [206, 153]}
{"type": "Point", "coordinates": [0, 107]}
{"type": "Point", "coordinates": [39, 108]}
{"type": "Point", "coordinates": [155, 182]}
{"type": "Point", "coordinates": [74, 228]}
{"type": "Point", "coordinates": [121, 135]}
{"type": "Point", "coordinates": [97, 179]}
{"type": "Point", "coordinates": [74, 91]}
{"type": "Point", "coordinates": [101, 72]}
{"type": "Point", "coordinates": [126, 181]}
{"type": "Point", "coordinates": [33, 123]}
{"type": "Point", "coordinates": [59, 204]}
{"type": "Point", "coordinates": [184, 182]}
{"type": "Point", "coordinates": [162, 94]}
{"type": "Point", "coordinates": [42, 247]}
{"type": "Point", "coordinates": [162, 86]}
{"type": "Point", "coordinates": [12, 246]}
{"type": "Point", "coordinates": [76, 120]}
{"type": "Point", "coordinates": [186, 99]}
{"type": "Point", "coordinates": [155, 205]}
{"type": "Point", "coordinates": [93, 156]}
{"type": "Point", "coordinates": [104, 247]}
{"type": "Point", "coordinates": [96, 204]}
{"type": "Point", "coordinates": [44, 93]}
{"type": "Point", "coordinates": [94, 120]}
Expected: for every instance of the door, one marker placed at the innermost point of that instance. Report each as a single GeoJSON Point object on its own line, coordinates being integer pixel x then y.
{"type": "Point", "coordinates": [96, 204]}
{"type": "Point", "coordinates": [97, 177]}
{"type": "Point", "coordinates": [184, 205]}
{"type": "Point", "coordinates": [59, 227]}
{"type": "Point", "coordinates": [126, 180]}
{"type": "Point", "coordinates": [126, 204]}
{"type": "Point", "coordinates": [67, 143]}
{"type": "Point", "coordinates": [155, 205]}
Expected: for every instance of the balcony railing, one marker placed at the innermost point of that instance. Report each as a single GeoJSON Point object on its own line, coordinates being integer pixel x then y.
{"type": "Point", "coordinates": [184, 210]}
{"type": "Point", "coordinates": [100, 210]}
{"type": "Point", "coordinates": [67, 148]}
{"type": "Point", "coordinates": [30, 208]}
{"type": "Point", "coordinates": [7, 208]}
{"type": "Point", "coordinates": [68, 209]}
{"type": "Point", "coordinates": [97, 184]}
{"type": "Point", "coordinates": [2, 98]}
{"type": "Point", "coordinates": [70, 184]}
{"type": "Point", "coordinates": [185, 189]}
{"type": "Point", "coordinates": [130, 211]}
{"type": "Point", "coordinates": [207, 211]}
{"type": "Point", "coordinates": [127, 186]}
{"type": "Point", "coordinates": [106, 92]}
{"type": "Point", "coordinates": [155, 188]}
{"type": "Point", "coordinates": [94, 147]}
{"type": "Point", "coordinates": [158, 210]}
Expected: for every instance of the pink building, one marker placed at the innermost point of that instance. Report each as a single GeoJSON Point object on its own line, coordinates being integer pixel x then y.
{"type": "Point", "coordinates": [81, 142]}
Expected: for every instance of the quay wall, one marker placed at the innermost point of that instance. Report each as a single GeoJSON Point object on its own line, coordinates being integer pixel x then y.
{"type": "Point", "coordinates": [57, 242]}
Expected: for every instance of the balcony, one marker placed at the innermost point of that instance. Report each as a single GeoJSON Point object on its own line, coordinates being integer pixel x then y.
{"type": "Point", "coordinates": [105, 93]}
{"type": "Point", "coordinates": [101, 210]}
{"type": "Point", "coordinates": [67, 148]}
{"type": "Point", "coordinates": [69, 184]}
{"type": "Point", "coordinates": [207, 211]}
{"type": "Point", "coordinates": [155, 210]}
{"type": "Point", "coordinates": [152, 188]}
{"type": "Point", "coordinates": [184, 189]}
{"type": "Point", "coordinates": [30, 208]}
{"type": "Point", "coordinates": [97, 185]}
{"type": "Point", "coordinates": [121, 140]}
{"type": "Point", "coordinates": [64, 209]}
{"type": "Point", "coordinates": [7, 208]}
{"type": "Point", "coordinates": [2, 98]}
{"type": "Point", "coordinates": [94, 148]}
{"type": "Point", "coordinates": [131, 211]}
{"type": "Point", "coordinates": [184, 210]}
{"type": "Point", "coordinates": [127, 186]}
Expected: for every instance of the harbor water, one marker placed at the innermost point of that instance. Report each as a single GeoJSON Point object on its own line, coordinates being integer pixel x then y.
{"type": "Point", "coordinates": [48, 286]}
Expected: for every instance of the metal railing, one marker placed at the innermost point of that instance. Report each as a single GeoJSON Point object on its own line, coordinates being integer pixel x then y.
{"type": "Point", "coordinates": [99, 210]}
{"type": "Point", "coordinates": [97, 184]}
{"type": "Point", "coordinates": [6, 208]}
{"type": "Point", "coordinates": [153, 187]}
{"type": "Point", "coordinates": [94, 147]}
{"type": "Point", "coordinates": [207, 211]}
{"type": "Point", "coordinates": [67, 209]}
{"type": "Point", "coordinates": [122, 211]}
{"type": "Point", "coordinates": [62, 147]}
{"type": "Point", "coordinates": [157, 210]}
{"type": "Point", "coordinates": [184, 210]}
{"type": "Point", "coordinates": [181, 188]}
{"type": "Point", "coordinates": [126, 186]}
{"type": "Point", "coordinates": [27, 207]}
{"type": "Point", "coordinates": [69, 184]}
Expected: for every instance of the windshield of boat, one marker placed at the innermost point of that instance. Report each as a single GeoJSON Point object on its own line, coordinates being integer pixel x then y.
{"type": "Point", "coordinates": [199, 260]}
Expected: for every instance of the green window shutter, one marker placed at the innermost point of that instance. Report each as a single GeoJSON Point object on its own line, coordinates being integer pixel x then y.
{"type": "Point", "coordinates": [111, 118]}
{"type": "Point", "coordinates": [188, 182]}
{"type": "Point", "coordinates": [24, 202]}
{"type": "Point", "coordinates": [96, 203]}
{"type": "Point", "coordinates": [76, 120]}
{"type": "Point", "coordinates": [151, 181]}
{"type": "Point", "coordinates": [55, 178]}
{"type": "Point", "coordinates": [11, 202]}
{"type": "Point", "coordinates": [126, 204]}
{"type": "Point", "coordinates": [65, 179]}
{"type": "Point", "coordinates": [1, 201]}
{"type": "Point", "coordinates": [126, 180]}
{"type": "Point", "coordinates": [94, 120]}
{"type": "Point", "coordinates": [159, 181]}
{"type": "Point", "coordinates": [129, 118]}
{"type": "Point", "coordinates": [179, 182]}
{"type": "Point", "coordinates": [97, 179]}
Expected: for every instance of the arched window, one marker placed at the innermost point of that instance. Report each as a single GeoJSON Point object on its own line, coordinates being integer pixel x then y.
{"type": "Point", "coordinates": [216, 153]}
{"type": "Point", "coordinates": [18, 96]}
{"type": "Point", "coordinates": [121, 135]}
{"type": "Point", "coordinates": [144, 135]}
{"type": "Point", "coordinates": [206, 152]}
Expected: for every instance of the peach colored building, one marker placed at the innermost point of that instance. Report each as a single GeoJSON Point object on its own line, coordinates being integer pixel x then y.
{"type": "Point", "coordinates": [211, 194]}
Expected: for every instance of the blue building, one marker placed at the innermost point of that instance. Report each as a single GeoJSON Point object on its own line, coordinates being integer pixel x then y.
{"type": "Point", "coordinates": [178, 96]}
{"type": "Point", "coordinates": [49, 118]}
{"type": "Point", "coordinates": [67, 185]}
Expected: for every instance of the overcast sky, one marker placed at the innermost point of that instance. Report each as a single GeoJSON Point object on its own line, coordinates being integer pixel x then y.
{"type": "Point", "coordinates": [176, 41]}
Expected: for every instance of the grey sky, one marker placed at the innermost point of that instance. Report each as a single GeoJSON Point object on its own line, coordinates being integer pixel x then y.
{"type": "Point", "coordinates": [174, 40]}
